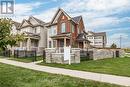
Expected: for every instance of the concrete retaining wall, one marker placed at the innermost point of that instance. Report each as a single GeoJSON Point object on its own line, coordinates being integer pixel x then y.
{"type": "Point", "coordinates": [56, 56]}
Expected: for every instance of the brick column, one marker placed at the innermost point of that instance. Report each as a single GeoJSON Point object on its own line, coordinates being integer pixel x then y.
{"type": "Point", "coordinates": [64, 42]}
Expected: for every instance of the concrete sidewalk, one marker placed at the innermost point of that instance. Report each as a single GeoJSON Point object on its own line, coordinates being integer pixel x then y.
{"type": "Point", "coordinates": [119, 80]}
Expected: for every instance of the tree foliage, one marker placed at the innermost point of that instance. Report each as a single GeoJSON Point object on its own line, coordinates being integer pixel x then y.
{"type": "Point", "coordinates": [5, 29]}
{"type": "Point", "coordinates": [113, 45]}
{"type": "Point", "coordinates": [6, 38]}
{"type": "Point", "coordinates": [14, 40]}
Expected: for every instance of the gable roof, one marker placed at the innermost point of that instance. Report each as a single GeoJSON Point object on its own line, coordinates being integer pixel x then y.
{"type": "Point", "coordinates": [38, 20]}
{"type": "Point", "coordinates": [17, 24]}
{"type": "Point", "coordinates": [77, 19]}
{"type": "Point", "coordinates": [81, 37]}
{"type": "Point", "coordinates": [59, 11]}
{"type": "Point", "coordinates": [25, 21]}
{"type": "Point", "coordinates": [40, 23]}
{"type": "Point", "coordinates": [97, 33]}
{"type": "Point", "coordinates": [100, 33]}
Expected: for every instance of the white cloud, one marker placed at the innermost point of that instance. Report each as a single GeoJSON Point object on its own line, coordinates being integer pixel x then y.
{"type": "Point", "coordinates": [118, 35]}
{"type": "Point", "coordinates": [102, 5]}
{"type": "Point", "coordinates": [106, 21]}
{"type": "Point", "coordinates": [96, 12]}
{"type": "Point", "coordinates": [25, 8]}
{"type": "Point", "coordinates": [46, 15]}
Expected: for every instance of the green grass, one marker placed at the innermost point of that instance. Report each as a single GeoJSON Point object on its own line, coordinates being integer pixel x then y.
{"type": "Point", "coordinates": [116, 66]}
{"type": "Point", "coordinates": [11, 76]}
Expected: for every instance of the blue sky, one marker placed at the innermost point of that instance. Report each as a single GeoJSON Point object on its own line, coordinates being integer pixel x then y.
{"type": "Point", "coordinates": [111, 16]}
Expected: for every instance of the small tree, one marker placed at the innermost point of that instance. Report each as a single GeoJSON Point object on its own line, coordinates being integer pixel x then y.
{"type": "Point", "coordinates": [5, 28]}
{"type": "Point", "coordinates": [13, 40]}
{"type": "Point", "coordinates": [114, 46]}
{"type": "Point", "coordinates": [6, 38]}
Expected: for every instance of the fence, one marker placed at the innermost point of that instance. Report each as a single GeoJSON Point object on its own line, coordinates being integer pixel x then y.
{"type": "Point", "coordinates": [25, 54]}
{"type": "Point", "coordinates": [6, 53]}
{"type": "Point", "coordinates": [44, 55]}
{"type": "Point", "coordinates": [85, 55]}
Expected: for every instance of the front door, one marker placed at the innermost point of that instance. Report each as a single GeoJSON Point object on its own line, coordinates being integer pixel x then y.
{"type": "Point", "coordinates": [61, 43]}
{"type": "Point", "coordinates": [80, 44]}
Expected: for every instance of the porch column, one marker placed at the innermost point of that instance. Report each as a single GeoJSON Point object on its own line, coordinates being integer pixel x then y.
{"type": "Point", "coordinates": [64, 42]}
{"type": "Point", "coordinates": [21, 44]}
{"type": "Point", "coordinates": [78, 44]}
{"type": "Point", "coordinates": [29, 44]}
{"type": "Point", "coordinates": [84, 45]}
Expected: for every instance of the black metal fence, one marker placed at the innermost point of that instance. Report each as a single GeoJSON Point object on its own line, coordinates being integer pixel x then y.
{"type": "Point", "coordinates": [5, 53]}
{"type": "Point", "coordinates": [31, 55]}
{"type": "Point", "coordinates": [25, 54]}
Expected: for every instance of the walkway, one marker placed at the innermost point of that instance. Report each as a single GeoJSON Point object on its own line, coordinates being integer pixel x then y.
{"type": "Point", "coordinates": [119, 80]}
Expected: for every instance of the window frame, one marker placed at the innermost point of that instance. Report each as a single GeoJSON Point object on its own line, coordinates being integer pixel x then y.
{"type": "Point", "coordinates": [72, 28]}
{"type": "Point", "coordinates": [63, 30]}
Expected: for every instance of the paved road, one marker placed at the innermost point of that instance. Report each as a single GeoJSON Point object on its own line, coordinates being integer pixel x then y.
{"type": "Point", "coordinates": [119, 80]}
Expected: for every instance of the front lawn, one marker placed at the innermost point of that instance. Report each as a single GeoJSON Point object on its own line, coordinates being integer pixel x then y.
{"type": "Point", "coordinates": [116, 66]}
{"type": "Point", "coordinates": [11, 76]}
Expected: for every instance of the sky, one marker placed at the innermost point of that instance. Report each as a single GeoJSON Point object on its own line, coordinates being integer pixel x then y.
{"type": "Point", "coordinates": [110, 16]}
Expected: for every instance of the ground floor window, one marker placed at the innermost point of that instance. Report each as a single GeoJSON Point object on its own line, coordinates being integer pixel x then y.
{"type": "Point", "coordinates": [49, 44]}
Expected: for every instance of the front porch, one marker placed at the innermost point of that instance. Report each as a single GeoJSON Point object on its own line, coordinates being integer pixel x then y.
{"type": "Point", "coordinates": [31, 42]}
{"type": "Point", "coordinates": [62, 40]}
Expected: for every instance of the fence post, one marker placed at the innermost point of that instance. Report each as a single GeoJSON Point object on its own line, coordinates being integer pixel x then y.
{"type": "Point", "coordinates": [9, 53]}
{"type": "Point", "coordinates": [43, 55]}
{"type": "Point", "coordinates": [25, 53]}
{"type": "Point", "coordinates": [35, 55]}
{"type": "Point", "coordinates": [17, 53]}
{"type": "Point", "coordinates": [14, 53]}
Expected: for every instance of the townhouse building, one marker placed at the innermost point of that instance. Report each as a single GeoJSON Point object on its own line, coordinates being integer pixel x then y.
{"type": "Point", "coordinates": [98, 39]}
{"type": "Point", "coordinates": [35, 34]}
{"type": "Point", "coordinates": [64, 30]}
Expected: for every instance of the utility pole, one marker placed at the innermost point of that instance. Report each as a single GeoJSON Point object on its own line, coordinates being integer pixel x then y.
{"type": "Point", "coordinates": [120, 41]}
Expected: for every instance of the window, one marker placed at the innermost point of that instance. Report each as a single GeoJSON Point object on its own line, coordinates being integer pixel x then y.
{"type": "Point", "coordinates": [52, 31]}
{"type": "Point", "coordinates": [63, 28]}
{"type": "Point", "coordinates": [54, 43]}
{"type": "Point", "coordinates": [49, 44]}
{"type": "Point", "coordinates": [63, 17]}
{"type": "Point", "coordinates": [35, 30]}
{"type": "Point", "coordinates": [90, 37]}
{"type": "Point", "coordinates": [98, 37]}
{"type": "Point", "coordinates": [73, 30]}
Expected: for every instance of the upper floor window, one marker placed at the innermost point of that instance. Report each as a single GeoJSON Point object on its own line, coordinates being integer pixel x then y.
{"type": "Point", "coordinates": [63, 17]}
{"type": "Point", "coordinates": [35, 30]}
{"type": "Point", "coordinates": [63, 28]}
{"type": "Point", "coordinates": [98, 37]}
{"type": "Point", "coordinates": [52, 31]}
{"type": "Point", "coordinates": [73, 30]}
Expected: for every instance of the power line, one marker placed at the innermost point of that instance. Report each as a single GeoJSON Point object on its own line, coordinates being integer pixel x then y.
{"type": "Point", "coordinates": [120, 41]}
